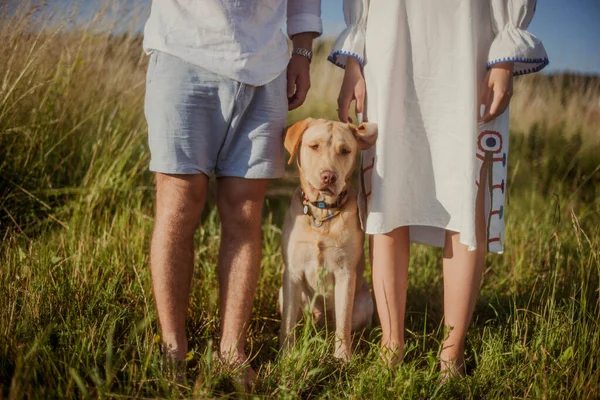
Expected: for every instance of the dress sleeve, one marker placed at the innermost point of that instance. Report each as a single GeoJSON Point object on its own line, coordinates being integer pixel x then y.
{"type": "Point", "coordinates": [351, 41]}
{"type": "Point", "coordinates": [510, 19]}
{"type": "Point", "coordinates": [304, 16]}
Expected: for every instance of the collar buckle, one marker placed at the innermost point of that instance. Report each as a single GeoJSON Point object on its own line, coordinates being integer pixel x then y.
{"type": "Point", "coordinates": [318, 222]}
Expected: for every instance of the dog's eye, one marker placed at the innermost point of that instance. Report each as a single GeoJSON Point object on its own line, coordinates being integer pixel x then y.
{"type": "Point", "coordinates": [345, 151]}
{"type": "Point", "coordinates": [314, 146]}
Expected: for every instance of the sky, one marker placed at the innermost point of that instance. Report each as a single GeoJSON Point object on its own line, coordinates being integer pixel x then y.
{"type": "Point", "coordinates": [569, 29]}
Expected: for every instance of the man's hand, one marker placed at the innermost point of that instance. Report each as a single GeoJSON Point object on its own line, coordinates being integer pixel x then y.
{"type": "Point", "coordinates": [353, 88]}
{"type": "Point", "coordinates": [298, 81]}
{"type": "Point", "coordinates": [298, 71]}
{"type": "Point", "coordinates": [496, 91]}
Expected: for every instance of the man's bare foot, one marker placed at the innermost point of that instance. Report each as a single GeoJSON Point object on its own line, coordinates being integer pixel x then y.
{"type": "Point", "coordinates": [239, 365]}
{"type": "Point", "coordinates": [175, 369]}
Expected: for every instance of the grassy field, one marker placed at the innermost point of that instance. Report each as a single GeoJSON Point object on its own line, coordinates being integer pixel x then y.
{"type": "Point", "coordinates": [77, 318]}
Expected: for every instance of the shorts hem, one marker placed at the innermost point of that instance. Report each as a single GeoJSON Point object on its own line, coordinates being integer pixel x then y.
{"type": "Point", "coordinates": [249, 174]}
{"type": "Point", "coordinates": [184, 169]}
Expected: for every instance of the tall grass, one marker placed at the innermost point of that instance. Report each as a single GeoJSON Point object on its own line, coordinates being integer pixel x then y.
{"type": "Point", "coordinates": [76, 207]}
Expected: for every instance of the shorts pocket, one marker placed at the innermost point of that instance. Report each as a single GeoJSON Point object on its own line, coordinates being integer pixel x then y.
{"type": "Point", "coordinates": [151, 66]}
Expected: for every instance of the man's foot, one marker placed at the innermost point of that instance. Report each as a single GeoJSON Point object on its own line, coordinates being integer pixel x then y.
{"type": "Point", "coordinates": [175, 370]}
{"type": "Point", "coordinates": [239, 365]}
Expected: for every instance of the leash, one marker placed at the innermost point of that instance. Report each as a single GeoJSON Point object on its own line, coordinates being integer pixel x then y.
{"type": "Point", "coordinates": [318, 221]}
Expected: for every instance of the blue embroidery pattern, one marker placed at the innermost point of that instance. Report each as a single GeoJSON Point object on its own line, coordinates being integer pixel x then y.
{"type": "Point", "coordinates": [333, 58]}
{"type": "Point", "coordinates": [542, 62]}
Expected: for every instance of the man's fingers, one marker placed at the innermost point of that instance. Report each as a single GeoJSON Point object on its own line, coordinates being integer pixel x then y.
{"type": "Point", "coordinates": [297, 100]}
{"type": "Point", "coordinates": [294, 103]}
{"type": "Point", "coordinates": [291, 83]}
{"type": "Point", "coordinates": [302, 87]}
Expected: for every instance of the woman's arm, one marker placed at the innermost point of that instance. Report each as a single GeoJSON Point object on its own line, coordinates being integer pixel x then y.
{"type": "Point", "coordinates": [353, 89]}
{"type": "Point", "coordinates": [348, 53]}
{"type": "Point", "coordinates": [514, 51]}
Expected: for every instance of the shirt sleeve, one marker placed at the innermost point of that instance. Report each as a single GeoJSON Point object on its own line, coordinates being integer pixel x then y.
{"type": "Point", "coordinates": [351, 41]}
{"type": "Point", "coordinates": [304, 16]}
{"type": "Point", "coordinates": [513, 43]}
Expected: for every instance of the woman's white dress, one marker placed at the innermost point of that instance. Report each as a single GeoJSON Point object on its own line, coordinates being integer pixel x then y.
{"type": "Point", "coordinates": [424, 62]}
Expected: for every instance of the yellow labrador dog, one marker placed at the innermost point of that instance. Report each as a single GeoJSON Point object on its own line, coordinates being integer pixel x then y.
{"type": "Point", "coordinates": [322, 238]}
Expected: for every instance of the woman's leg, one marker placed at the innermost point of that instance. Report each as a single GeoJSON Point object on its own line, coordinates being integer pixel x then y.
{"type": "Point", "coordinates": [390, 255]}
{"type": "Point", "coordinates": [462, 277]}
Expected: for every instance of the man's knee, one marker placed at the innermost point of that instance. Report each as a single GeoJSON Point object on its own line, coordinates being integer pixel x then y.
{"type": "Point", "coordinates": [240, 205]}
{"type": "Point", "coordinates": [180, 200]}
{"type": "Point", "coordinates": [240, 215]}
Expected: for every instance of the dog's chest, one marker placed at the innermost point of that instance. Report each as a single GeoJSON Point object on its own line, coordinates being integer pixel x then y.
{"type": "Point", "coordinates": [319, 250]}
{"type": "Point", "coordinates": [324, 252]}
{"type": "Point", "coordinates": [315, 254]}
{"type": "Point", "coordinates": [320, 259]}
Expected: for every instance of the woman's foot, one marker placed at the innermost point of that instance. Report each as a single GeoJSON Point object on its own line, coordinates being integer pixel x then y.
{"type": "Point", "coordinates": [452, 365]}
{"type": "Point", "coordinates": [391, 355]}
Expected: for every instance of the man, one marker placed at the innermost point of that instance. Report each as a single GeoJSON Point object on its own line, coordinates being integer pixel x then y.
{"type": "Point", "coordinates": [216, 103]}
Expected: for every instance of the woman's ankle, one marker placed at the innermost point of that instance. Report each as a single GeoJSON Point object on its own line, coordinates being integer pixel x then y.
{"type": "Point", "coordinates": [452, 360]}
{"type": "Point", "coordinates": [392, 352]}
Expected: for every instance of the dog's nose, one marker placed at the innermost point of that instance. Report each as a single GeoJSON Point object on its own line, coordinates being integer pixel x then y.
{"type": "Point", "coordinates": [328, 177]}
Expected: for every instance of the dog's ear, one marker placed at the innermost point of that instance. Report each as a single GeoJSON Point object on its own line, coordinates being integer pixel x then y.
{"type": "Point", "coordinates": [365, 134]}
{"type": "Point", "coordinates": [293, 136]}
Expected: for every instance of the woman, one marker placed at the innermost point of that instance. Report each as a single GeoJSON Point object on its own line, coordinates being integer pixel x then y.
{"type": "Point", "coordinates": [438, 78]}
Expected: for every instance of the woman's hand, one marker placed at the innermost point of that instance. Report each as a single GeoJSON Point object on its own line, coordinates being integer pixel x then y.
{"type": "Point", "coordinates": [353, 88]}
{"type": "Point", "coordinates": [496, 91]}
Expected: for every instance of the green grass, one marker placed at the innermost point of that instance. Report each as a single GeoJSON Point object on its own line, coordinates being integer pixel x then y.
{"type": "Point", "coordinates": [76, 210]}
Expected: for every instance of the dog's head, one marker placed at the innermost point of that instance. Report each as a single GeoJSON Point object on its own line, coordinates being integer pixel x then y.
{"type": "Point", "coordinates": [326, 152]}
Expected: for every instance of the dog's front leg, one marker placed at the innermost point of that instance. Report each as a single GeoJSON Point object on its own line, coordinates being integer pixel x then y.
{"type": "Point", "coordinates": [345, 282]}
{"type": "Point", "coordinates": [292, 298]}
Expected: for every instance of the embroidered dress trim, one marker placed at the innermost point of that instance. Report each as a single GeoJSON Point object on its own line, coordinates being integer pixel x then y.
{"type": "Point", "coordinates": [333, 58]}
{"type": "Point", "coordinates": [541, 63]}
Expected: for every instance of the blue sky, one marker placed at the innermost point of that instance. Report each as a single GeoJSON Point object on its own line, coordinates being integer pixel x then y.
{"type": "Point", "coordinates": [569, 29]}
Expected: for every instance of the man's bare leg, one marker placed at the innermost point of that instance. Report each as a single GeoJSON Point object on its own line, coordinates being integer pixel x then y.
{"type": "Point", "coordinates": [240, 203]}
{"type": "Point", "coordinates": [179, 203]}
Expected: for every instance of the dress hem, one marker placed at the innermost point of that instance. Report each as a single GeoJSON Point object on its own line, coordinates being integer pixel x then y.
{"type": "Point", "coordinates": [409, 224]}
{"type": "Point", "coordinates": [470, 246]}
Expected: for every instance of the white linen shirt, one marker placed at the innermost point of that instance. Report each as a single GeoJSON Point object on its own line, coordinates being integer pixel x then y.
{"type": "Point", "coordinates": [239, 39]}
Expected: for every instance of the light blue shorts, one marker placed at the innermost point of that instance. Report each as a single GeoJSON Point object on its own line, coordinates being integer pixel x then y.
{"type": "Point", "coordinates": [201, 122]}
